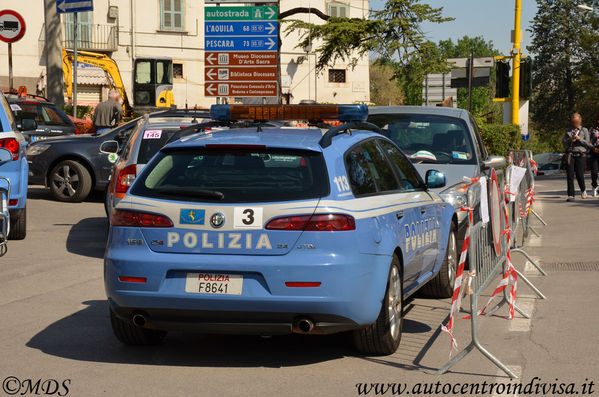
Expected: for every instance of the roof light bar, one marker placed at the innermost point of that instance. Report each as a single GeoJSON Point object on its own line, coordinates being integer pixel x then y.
{"type": "Point", "coordinates": [289, 112]}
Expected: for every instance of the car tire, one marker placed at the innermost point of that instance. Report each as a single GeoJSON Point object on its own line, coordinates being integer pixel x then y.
{"type": "Point", "coordinates": [441, 286]}
{"type": "Point", "coordinates": [73, 188]}
{"type": "Point", "coordinates": [383, 336]}
{"type": "Point", "coordinates": [18, 226]}
{"type": "Point", "coordinates": [130, 334]}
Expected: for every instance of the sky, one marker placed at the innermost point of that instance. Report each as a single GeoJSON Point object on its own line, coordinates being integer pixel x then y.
{"type": "Point", "coordinates": [492, 19]}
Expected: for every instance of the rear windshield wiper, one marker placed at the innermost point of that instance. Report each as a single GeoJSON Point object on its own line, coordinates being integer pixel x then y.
{"type": "Point", "coordinates": [211, 194]}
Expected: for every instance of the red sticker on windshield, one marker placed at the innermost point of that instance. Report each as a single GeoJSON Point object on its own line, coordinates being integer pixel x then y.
{"type": "Point", "coordinates": [152, 134]}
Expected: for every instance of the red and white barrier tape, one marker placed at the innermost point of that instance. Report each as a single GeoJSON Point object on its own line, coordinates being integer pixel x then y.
{"type": "Point", "coordinates": [534, 166]}
{"type": "Point", "coordinates": [530, 193]}
{"type": "Point", "coordinates": [456, 299]}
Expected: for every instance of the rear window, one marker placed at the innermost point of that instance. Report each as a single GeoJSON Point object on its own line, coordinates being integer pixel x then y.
{"type": "Point", "coordinates": [43, 114]}
{"type": "Point", "coordinates": [152, 140]}
{"type": "Point", "coordinates": [428, 138]}
{"type": "Point", "coordinates": [235, 176]}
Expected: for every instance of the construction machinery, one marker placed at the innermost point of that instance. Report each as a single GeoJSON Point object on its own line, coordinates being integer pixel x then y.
{"type": "Point", "coordinates": [152, 79]}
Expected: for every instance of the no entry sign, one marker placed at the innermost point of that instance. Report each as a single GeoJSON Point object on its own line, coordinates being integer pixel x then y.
{"type": "Point", "coordinates": [12, 26]}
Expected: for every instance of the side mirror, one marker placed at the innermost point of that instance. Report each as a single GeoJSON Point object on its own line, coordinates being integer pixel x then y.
{"type": "Point", "coordinates": [494, 162]}
{"type": "Point", "coordinates": [28, 125]}
{"type": "Point", "coordinates": [109, 147]}
{"type": "Point", "coordinates": [435, 179]}
{"type": "Point", "coordinates": [5, 155]}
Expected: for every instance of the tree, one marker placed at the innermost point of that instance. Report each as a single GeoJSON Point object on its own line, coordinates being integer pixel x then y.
{"type": "Point", "coordinates": [393, 33]}
{"type": "Point", "coordinates": [557, 31]}
{"type": "Point", "coordinates": [384, 88]}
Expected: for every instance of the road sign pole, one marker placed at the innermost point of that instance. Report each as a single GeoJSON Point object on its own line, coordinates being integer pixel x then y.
{"type": "Point", "coordinates": [10, 80]}
{"type": "Point", "coordinates": [470, 77]}
{"type": "Point", "coordinates": [75, 65]}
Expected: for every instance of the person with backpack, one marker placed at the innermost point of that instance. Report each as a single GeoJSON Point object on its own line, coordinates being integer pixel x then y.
{"type": "Point", "coordinates": [577, 143]}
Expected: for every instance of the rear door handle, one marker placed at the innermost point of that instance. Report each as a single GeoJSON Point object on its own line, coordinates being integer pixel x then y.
{"type": "Point", "coordinates": [399, 215]}
{"type": "Point", "coordinates": [423, 210]}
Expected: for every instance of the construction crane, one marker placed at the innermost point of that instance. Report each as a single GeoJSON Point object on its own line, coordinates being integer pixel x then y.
{"type": "Point", "coordinates": [152, 81]}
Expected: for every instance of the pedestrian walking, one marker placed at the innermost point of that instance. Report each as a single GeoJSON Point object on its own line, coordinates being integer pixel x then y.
{"type": "Point", "coordinates": [577, 143]}
{"type": "Point", "coordinates": [108, 114]}
{"type": "Point", "coordinates": [594, 157]}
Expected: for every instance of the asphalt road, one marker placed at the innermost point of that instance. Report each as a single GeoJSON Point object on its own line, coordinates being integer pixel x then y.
{"type": "Point", "coordinates": [54, 322]}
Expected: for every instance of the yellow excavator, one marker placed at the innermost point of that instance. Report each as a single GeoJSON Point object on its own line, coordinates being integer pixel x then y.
{"type": "Point", "coordinates": [152, 79]}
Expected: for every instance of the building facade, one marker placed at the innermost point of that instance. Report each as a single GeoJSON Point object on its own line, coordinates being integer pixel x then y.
{"type": "Point", "coordinates": [127, 30]}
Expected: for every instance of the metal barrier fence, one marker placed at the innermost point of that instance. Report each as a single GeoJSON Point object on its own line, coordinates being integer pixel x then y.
{"type": "Point", "coordinates": [486, 263]}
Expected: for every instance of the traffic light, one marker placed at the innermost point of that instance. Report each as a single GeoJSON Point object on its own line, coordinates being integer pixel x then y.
{"type": "Point", "coordinates": [502, 79]}
{"type": "Point", "coordinates": [525, 77]}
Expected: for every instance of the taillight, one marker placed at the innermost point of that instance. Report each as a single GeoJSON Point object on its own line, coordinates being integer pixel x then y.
{"type": "Point", "coordinates": [125, 179]}
{"type": "Point", "coordinates": [138, 219]}
{"type": "Point", "coordinates": [13, 202]}
{"type": "Point", "coordinates": [12, 145]}
{"type": "Point", "coordinates": [319, 222]}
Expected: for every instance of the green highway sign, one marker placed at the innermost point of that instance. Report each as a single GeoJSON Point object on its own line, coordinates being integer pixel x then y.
{"type": "Point", "coordinates": [255, 13]}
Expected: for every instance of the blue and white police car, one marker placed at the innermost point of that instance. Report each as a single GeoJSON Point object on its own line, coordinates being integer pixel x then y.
{"type": "Point", "coordinates": [281, 230]}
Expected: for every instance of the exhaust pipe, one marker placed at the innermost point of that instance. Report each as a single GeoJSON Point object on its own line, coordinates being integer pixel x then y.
{"type": "Point", "coordinates": [304, 325]}
{"type": "Point", "coordinates": [139, 320]}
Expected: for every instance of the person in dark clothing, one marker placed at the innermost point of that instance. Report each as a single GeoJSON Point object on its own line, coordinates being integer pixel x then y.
{"type": "Point", "coordinates": [108, 114]}
{"type": "Point", "coordinates": [594, 157]}
{"type": "Point", "coordinates": [577, 143]}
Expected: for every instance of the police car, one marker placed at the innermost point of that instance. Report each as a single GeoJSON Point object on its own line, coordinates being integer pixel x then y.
{"type": "Point", "coordinates": [273, 231]}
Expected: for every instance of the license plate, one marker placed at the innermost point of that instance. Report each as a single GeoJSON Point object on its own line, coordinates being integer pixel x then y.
{"type": "Point", "coordinates": [214, 283]}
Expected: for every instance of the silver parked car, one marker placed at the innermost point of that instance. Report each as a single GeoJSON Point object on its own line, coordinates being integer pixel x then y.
{"type": "Point", "coordinates": [444, 139]}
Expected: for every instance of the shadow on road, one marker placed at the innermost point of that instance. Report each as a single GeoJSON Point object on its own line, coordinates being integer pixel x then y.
{"type": "Point", "coordinates": [87, 336]}
{"type": "Point", "coordinates": [88, 237]}
{"type": "Point", "coordinates": [39, 192]}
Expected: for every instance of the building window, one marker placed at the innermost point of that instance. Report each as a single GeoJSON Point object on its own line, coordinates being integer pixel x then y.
{"type": "Point", "coordinates": [84, 31]}
{"type": "Point", "coordinates": [338, 10]}
{"type": "Point", "coordinates": [171, 14]}
{"type": "Point", "coordinates": [337, 76]}
{"type": "Point", "coordinates": [177, 70]}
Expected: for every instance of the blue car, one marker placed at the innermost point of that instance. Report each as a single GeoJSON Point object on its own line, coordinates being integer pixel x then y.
{"type": "Point", "coordinates": [278, 230]}
{"type": "Point", "coordinates": [17, 170]}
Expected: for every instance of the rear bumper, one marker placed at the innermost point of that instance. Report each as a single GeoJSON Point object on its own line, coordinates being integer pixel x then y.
{"type": "Point", "coordinates": [350, 295]}
{"type": "Point", "coordinates": [233, 322]}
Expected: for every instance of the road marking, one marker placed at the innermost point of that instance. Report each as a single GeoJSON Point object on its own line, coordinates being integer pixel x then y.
{"type": "Point", "coordinates": [519, 323]}
{"type": "Point", "coordinates": [530, 269]}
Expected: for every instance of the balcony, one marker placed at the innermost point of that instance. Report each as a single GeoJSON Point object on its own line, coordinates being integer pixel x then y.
{"type": "Point", "coordinates": [90, 37]}
{"type": "Point", "coordinates": [94, 37]}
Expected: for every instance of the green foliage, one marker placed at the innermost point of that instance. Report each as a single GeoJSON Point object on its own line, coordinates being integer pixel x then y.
{"type": "Point", "coordinates": [412, 74]}
{"type": "Point", "coordinates": [384, 88]}
{"type": "Point", "coordinates": [391, 33]}
{"type": "Point", "coordinates": [499, 138]}
{"type": "Point", "coordinates": [81, 110]}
